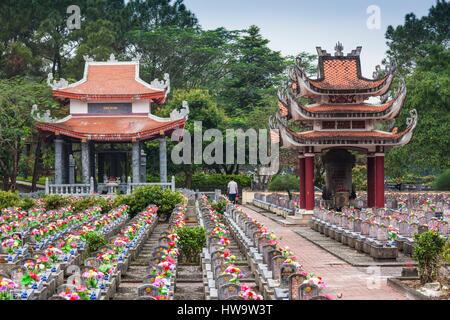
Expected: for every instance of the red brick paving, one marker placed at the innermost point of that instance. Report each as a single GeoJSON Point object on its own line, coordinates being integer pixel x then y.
{"type": "Point", "coordinates": [340, 277]}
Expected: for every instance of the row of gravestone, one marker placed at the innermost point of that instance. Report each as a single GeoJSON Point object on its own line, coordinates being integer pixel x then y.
{"type": "Point", "coordinates": [367, 231]}
{"type": "Point", "coordinates": [29, 243]}
{"type": "Point", "coordinates": [119, 262]}
{"type": "Point", "coordinates": [217, 284]}
{"type": "Point", "coordinates": [148, 290]}
{"type": "Point", "coordinates": [285, 279]}
{"type": "Point", "coordinates": [49, 280]}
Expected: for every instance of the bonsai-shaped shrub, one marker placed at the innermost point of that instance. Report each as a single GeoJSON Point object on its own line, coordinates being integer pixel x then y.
{"type": "Point", "coordinates": [27, 203]}
{"type": "Point", "coordinates": [9, 199]}
{"type": "Point", "coordinates": [443, 181]}
{"type": "Point", "coordinates": [285, 182]}
{"type": "Point", "coordinates": [220, 205]}
{"type": "Point", "coordinates": [428, 251]}
{"type": "Point", "coordinates": [92, 201]}
{"type": "Point", "coordinates": [55, 201]}
{"type": "Point", "coordinates": [191, 242]}
{"type": "Point", "coordinates": [94, 241]}
{"type": "Point", "coordinates": [142, 197]}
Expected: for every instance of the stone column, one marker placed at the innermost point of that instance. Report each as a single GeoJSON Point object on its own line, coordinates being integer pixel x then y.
{"type": "Point", "coordinates": [379, 180]}
{"type": "Point", "coordinates": [58, 161]}
{"type": "Point", "coordinates": [93, 161]}
{"type": "Point", "coordinates": [301, 172]}
{"type": "Point", "coordinates": [143, 166]}
{"type": "Point", "coordinates": [135, 160]}
{"type": "Point", "coordinates": [370, 180]}
{"type": "Point", "coordinates": [85, 162]}
{"type": "Point", "coordinates": [163, 159]}
{"type": "Point", "coordinates": [71, 169]}
{"type": "Point", "coordinates": [309, 181]}
{"type": "Point", "coordinates": [65, 162]}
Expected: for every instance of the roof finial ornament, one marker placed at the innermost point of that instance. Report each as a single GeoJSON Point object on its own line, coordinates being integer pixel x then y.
{"type": "Point", "coordinates": [338, 50]}
{"type": "Point", "coordinates": [62, 83]}
{"type": "Point", "coordinates": [182, 114]}
{"type": "Point", "coordinates": [41, 118]}
{"type": "Point", "coordinates": [87, 58]}
{"type": "Point", "coordinates": [112, 58]}
{"type": "Point", "coordinates": [137, 57]}
{"type": "Point", "coordinates": [377, 73]}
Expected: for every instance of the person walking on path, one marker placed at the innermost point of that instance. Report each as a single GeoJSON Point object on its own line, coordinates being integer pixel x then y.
{"type": "Point", "coordinates": [232, 191]}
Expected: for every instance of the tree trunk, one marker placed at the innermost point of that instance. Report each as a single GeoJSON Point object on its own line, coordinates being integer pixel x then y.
{"type": "Point", "coordinates": [37, 159]}
{"type": "Point", "coordinates": [188, 179]}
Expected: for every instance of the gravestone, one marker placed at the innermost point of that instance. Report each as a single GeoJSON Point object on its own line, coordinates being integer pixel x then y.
{"type": "Point", "coordinates": [270, 255]}
{"type": "Point", "coordinates": [223, 279]}
{"type": "Point", "coordinates": [147, 290]}
{"type": "Point", "coordinates": [228, 290]}
{"type": "Point", "coordinates": [295, 281]}
{"type": "Point", "coordinates": [286, 271]}
{"type": "Point", "coordinates": [308, 290]}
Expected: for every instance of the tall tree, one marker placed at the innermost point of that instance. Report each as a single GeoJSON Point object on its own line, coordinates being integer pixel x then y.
{"type": "Point", "coordinates": [408, 42]}
{"type": "Point", "coordinates": [252, 73]}
{"type": "Point", "coordinates": [16, 122]}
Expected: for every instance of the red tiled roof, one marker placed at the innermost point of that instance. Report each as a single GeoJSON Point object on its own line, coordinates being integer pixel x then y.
{"type": "Point", "coordinates": [111, 128]}
{"type": "Point", "coordinates": [361, 107]}
{"type": "Point", "coordinates": [111, 81]}
{"type": "Point", "coordinates": [346, 134]}
{"type": "Point", "coordinates": [343, 74]}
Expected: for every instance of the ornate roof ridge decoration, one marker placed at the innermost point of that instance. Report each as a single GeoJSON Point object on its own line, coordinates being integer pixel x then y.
{"type": "Point", "coordinates": [162, 84]}
{"type": "Point", "coordinates": [175, 114]}
{"type": "Point", "coordinates": [297, 111]}
{"type": "Point", "coordinates": [46, 117]}
{"type": "Point", "coordinates": [341, 74]}
{"type": "Point", "coordinates": [124, 82]}
{"type": "Point", "coordinates": [109, 128]}
{"type": "Point", "coordinates": [344, 137]}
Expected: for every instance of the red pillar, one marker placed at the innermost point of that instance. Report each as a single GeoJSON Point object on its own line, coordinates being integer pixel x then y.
{"type": "Point", "coordinates": [379, 178]}
{"type": "Point", "coordinates": [301, 171]}
{"type": "Point", "coordinates": [370, 180]}
{"type": "Point", "coordinates": [309, 181]}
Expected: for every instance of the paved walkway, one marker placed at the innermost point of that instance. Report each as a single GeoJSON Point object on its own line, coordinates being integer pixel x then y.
{"type": "Point", "coordinates": [341, 278]}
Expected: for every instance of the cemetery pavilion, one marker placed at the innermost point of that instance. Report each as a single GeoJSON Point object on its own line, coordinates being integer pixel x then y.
{"type": "Point", "coordinates": [109, 106]}
{"type": "Point", "coordinates": [338, 111]}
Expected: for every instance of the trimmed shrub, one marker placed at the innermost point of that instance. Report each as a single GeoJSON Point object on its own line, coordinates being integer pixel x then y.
{"type": "Point", "coordinates": [94, 240]}
{"type": "Point", "coordinates": [27, 203]}
{"type": "Point", "coordinates": [142, 197]}
{"type": "Point", "coordinates": [9, 199]}
{"type": "Point", "coordinates": [212, 181]}
{"type": "Point", "coordinates": [428, 250]}
{"type": "Point", "coordinates": [220, 206]}
{"type": "Point", "coordinates": [89, 202]}
{"type": "Point", "coordinates": [191, 242]}
{"type": "Point", "coordinates": [55, 201]}
{"type": "Point", "coordinates": [285, 182]}
{"type": "Point", "coordinates": [443, 181]}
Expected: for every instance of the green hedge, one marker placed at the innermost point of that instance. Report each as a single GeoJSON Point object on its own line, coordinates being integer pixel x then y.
{"type": "Point", "coordinates": [9, 199]}
{"type": "Point", "coordinates": [142, 197]}
{"type": "Point", "coordinates": [442, 182]}
{"type": "Point", "coordinates": [212, 181]}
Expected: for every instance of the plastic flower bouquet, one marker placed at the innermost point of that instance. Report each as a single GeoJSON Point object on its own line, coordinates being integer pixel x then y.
{"type": "Point", "coordinates": [12, 244]}
{"type": "Point", "coordinates": [6, 285]}
{"type": "Point", "coordinates": [92, 277]}
{"type": "Point", "coordinates": [236, 274]}
{"type": "Point", "coordinates": [313, 279]}
{"type": "Point", "coordinates": [249, 294]}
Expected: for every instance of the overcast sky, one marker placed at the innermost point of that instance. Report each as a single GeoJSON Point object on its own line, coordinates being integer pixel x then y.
{"type": "Point", "coordinates": [301, 25]}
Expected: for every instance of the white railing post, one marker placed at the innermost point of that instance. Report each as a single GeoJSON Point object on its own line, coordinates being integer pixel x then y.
{"type": "Point", "coordinates": [172, 185]}
{"type": "Point", "coordinates": [129, 185]}
{"type": "Point", "coordinates": [91, 185]}
{"type": "Point", "coordinates": [46, 186]}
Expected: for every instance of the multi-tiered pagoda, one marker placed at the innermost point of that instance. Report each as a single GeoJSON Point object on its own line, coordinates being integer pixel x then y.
{"type": "Point", "coordinates": [341, 110]}
{"type": "Point", "coordinates": [110, 109]}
